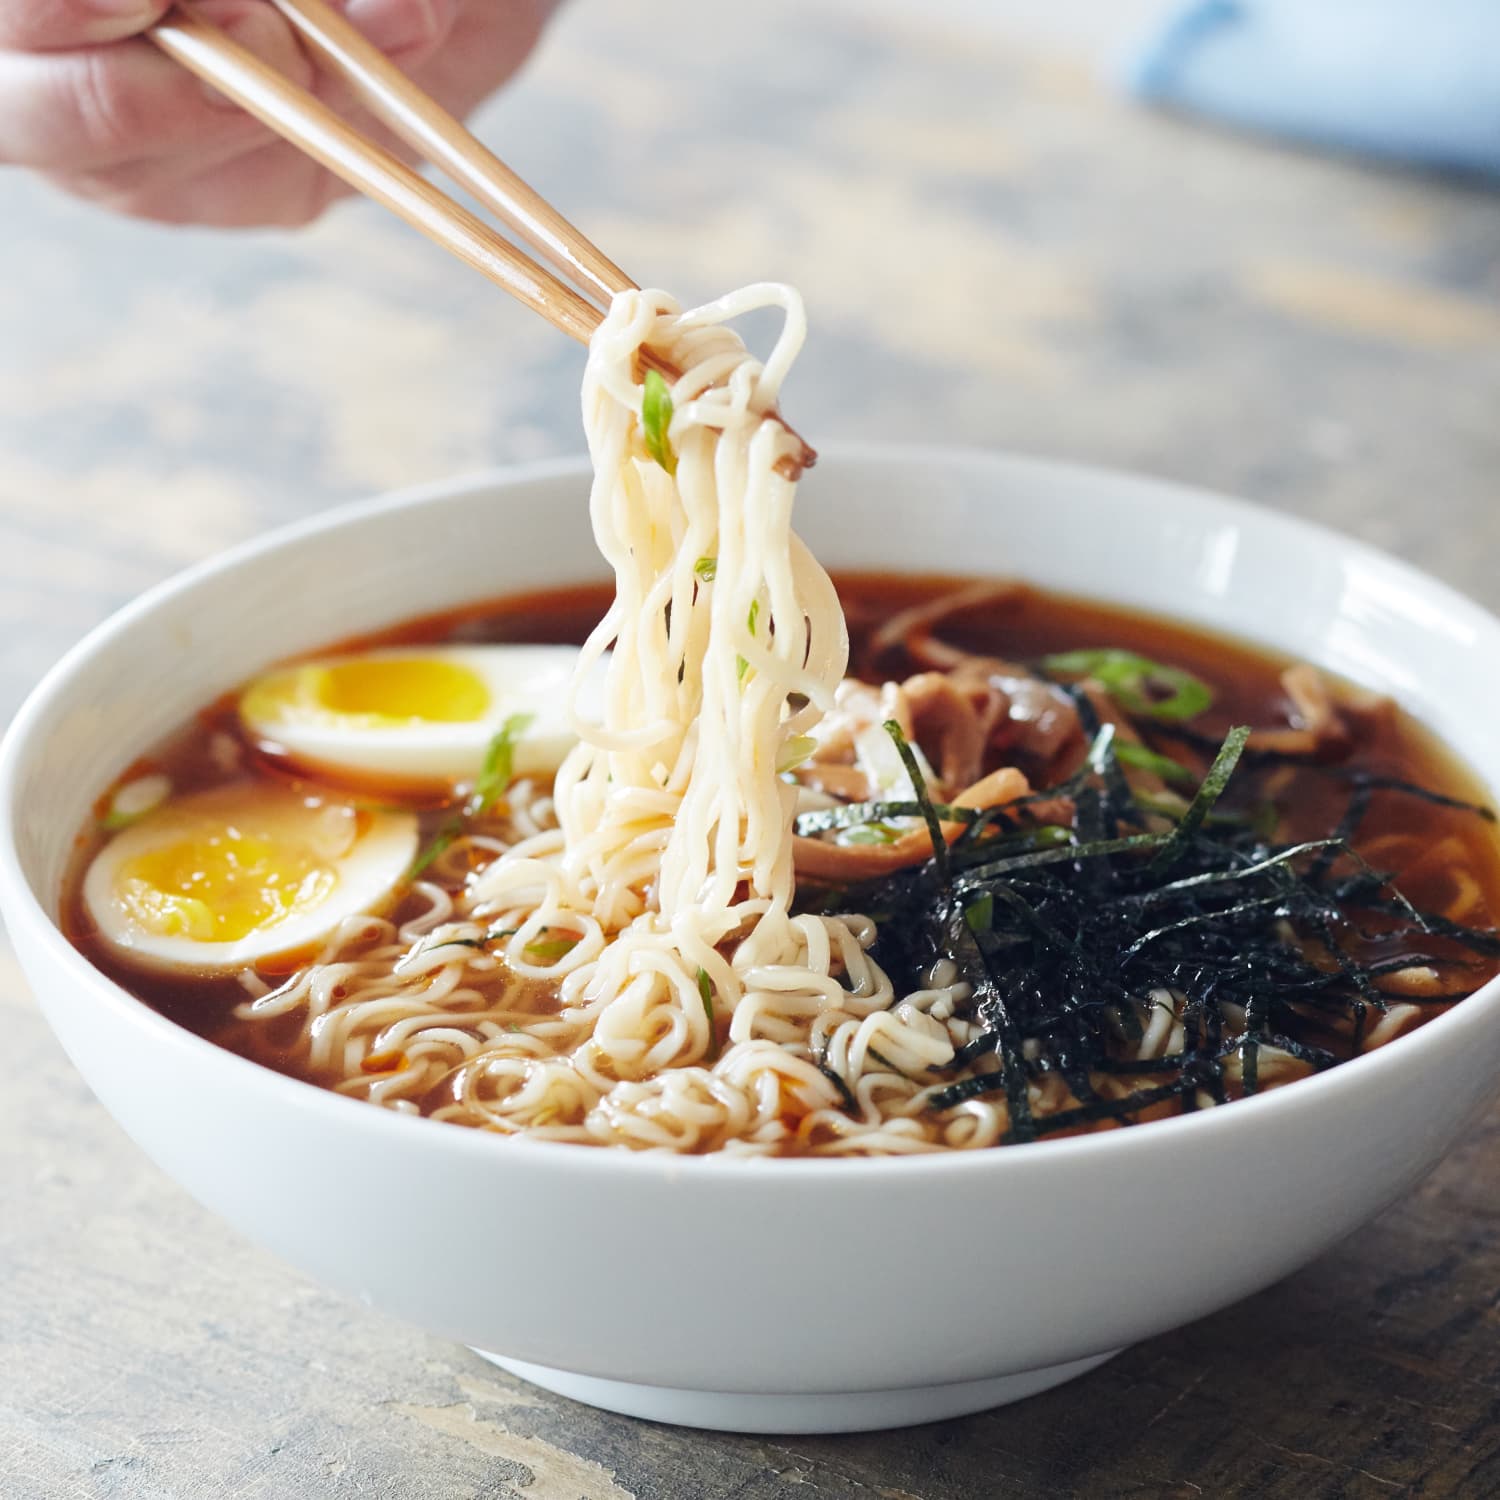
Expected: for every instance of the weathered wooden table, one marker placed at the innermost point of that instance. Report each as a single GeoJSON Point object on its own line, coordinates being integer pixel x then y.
{"type": "Point", "coordinates": [993, 252]}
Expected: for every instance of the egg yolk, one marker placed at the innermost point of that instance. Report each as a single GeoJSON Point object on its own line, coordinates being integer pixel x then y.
{"type": "Point", "coordinates": [374, 691]}
{"type": "Point", "coordinates": [221, 886]}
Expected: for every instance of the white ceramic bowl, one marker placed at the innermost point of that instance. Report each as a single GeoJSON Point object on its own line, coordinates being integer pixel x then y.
{"type": "Point", "coordinates": [771, 1296]}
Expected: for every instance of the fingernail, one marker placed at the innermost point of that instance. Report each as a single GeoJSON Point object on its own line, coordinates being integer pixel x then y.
{"type": "Point", "coordinates": [397, 25]}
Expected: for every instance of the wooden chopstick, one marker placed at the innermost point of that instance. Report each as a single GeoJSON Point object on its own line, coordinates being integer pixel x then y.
{"type": "Point", "coordinates": [425, 125]}
{"type": "Point", "coordinates": [422, 123]}
{"type": "Point", "coordinates": [308, 123]}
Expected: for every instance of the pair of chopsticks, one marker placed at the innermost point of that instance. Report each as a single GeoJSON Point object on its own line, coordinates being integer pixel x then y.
{"type": "Point", "coordinates": [573, 299]}
{"type": "Point", "coordinates": [428, 128]}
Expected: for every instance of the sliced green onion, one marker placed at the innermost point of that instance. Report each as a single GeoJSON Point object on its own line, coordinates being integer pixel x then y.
{"type": "Point", "coordinates": [498, 769]}
{"type": "Point", "coordinates": [550, 948]}
{"type": "Point", "coordinates": [868, 833]}
{"type": "Point", "coordinates": [796, 750]}
{"type": "Point", "coordinates": [706, 994]}
{"type": "Point", "coordinates": [436, 846]}
{"type": "Point", "coordinates": [1167, 804]}
{"type": "Point", "coordinates": [134, 800]}
{"type": "Point", "coordinates": [740, 664]}
{"type": "Point", "coordinates": [1049, 836]}
{"type": "Point", "coordinates": [496, 773]}
{"type": "Point", "coordinates": [1138, 684]}
{"type": "Point", "coordinates": [1144, 759]}
{"type": "Point", "coordinates": [656, 418]}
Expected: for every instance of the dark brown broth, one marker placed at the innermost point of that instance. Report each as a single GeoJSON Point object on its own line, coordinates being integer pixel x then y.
{"type": "Point", "coordinates": [1032, 623]}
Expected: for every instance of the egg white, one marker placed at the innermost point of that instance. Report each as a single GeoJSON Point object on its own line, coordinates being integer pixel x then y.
{"type": "Point", "coordinates": [368, 853]}
{"type": "Point", "coordinates": [520, 680]}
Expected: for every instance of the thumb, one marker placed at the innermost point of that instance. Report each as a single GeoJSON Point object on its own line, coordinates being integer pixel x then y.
{"type": "Point", "coordinates": [51, 25]}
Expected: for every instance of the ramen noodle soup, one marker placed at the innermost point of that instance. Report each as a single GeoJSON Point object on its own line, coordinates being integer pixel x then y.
{"type": "Point", "coordinates": [733, 856]}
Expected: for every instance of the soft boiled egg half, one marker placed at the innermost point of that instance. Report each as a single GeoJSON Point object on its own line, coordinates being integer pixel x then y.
{"type": "Point", "coordinates": [221, 879]}
{"type": "Point", "coordinates": [420, 716]}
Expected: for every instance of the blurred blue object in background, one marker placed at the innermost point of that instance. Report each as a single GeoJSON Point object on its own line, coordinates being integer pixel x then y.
{"type": "Point", "coordinates": [1418, 80]}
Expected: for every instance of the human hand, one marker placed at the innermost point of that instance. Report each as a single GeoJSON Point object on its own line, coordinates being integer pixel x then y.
{"type": "Point", "coordinates": [85, 100]}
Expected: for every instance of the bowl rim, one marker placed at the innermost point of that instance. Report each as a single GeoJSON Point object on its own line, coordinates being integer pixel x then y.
{"type": "Point", "coordinates": [22, 907]}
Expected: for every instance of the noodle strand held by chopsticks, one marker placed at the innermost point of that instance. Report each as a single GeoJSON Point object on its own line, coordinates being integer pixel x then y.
{"type": "Point", "coordinates": [726, 642]}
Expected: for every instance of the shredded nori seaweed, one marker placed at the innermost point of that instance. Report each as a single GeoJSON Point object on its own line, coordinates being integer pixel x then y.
{"type": "Point", "coordinates": [1064, 933]}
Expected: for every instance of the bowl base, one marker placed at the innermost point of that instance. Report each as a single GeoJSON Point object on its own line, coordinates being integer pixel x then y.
{"type": "Point", "coordinates": [835, 1411]}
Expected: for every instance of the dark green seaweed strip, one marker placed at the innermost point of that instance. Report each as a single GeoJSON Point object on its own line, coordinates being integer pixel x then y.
{"type": "Point", "coordinates": [968, 1088]}
{"type": "Point", "coordinates": [1105, 1109]}
{"type": "Point", "coordinates": [1448, 997]}
{"type": "Point", "coordinates": [1480, 939]}
{"type": "Point", "coordinates": [1322, 927]}
{"type": "Point", "coordinates": [851, 1104]}
{"type": "Point", "coordinates": [1083, 1114]}
{"type": "Point", "coordinates": [1116, 802]}
{"type": "Point", "coordinates": [1058, 944]}
{"type": "Point", "coordinates": [851, 814]}
{"type": "Point", "coordinates": [1209, 791]}
{"type": "Point", "coordinates": [1414, 789]}
{"type": "Point", "coordinates": [1318, 1057]}
{"type": "Point", "coordinates": [929, 812]}
{"type": "Point", "coordinates": [1255, 903]}
{"type": "Point", "coordinates": [1207, 878]}
{"type": "Point", "coordinates": [1348, 826]}
{"type": "Point", "coordinates": [1134, 843]}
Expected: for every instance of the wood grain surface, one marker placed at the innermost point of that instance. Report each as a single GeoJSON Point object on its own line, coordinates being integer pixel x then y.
{"type": "Point", "coordinates": [994, 251]}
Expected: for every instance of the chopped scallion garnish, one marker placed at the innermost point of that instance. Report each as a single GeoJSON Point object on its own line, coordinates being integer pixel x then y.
{"type": "Point", "coordinates": [498, 768]}
{"type": "Point", "coordinates": [706, 994]}
{"type": "Point", "coordinates": [437, 845]}
{"type": "Point", "coordinates": [134, 800]}
{"type": "Point", "coordinates": [796, 750]}
{"type": "Point", "coordinates": [495, 774]}
{"type": "Point", "coordinates": [544, 950]}
{"type": "Point", "coordinates": [1144, 759]}
{"type": "Point", "coordinates": [656, 418]}
{"type": "Point", "coordinates": [1138, 684]}
{"type": "Point", "coordinates": [868, 833]}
